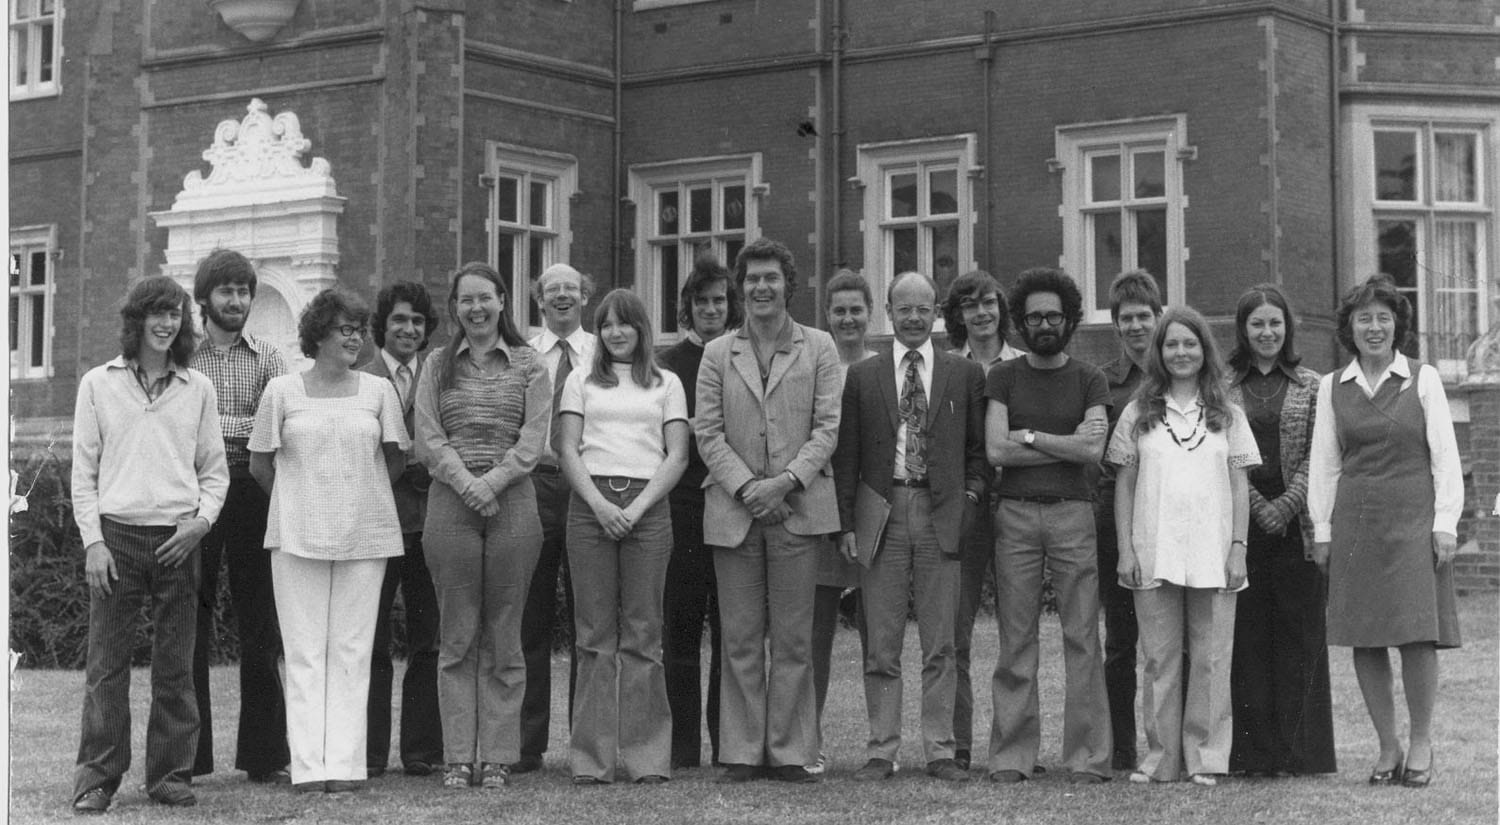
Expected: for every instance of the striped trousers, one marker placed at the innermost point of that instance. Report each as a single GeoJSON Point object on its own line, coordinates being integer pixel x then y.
{"type": "Point", "coordinates": [172, 731]}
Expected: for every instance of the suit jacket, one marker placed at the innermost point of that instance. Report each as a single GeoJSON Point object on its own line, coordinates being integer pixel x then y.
{"type": "Point", "coordinates": [1298, 407]}
{"type": "Point", "coordinates": [954, 429]}
{"type": "Point", "coordinates": [746, 432]}
{"type": "Point", "coordinates": [410, 488]}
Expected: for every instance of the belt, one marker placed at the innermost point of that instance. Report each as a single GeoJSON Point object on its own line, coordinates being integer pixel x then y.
{"type": "Point", "coordinates": [547, 469]}
{"type": "Point", "coordinates": [619, 484]}
{"type": "Point", "coordinates": [911, 482]}
{"type": "Point", "coordinates": [1040, 499]}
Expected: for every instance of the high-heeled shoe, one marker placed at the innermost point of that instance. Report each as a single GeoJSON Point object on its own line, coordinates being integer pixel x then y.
{"type": "Point", "coordinates": [1392, 776]}
{"type": "Point", "coordinates": [1413, 778]}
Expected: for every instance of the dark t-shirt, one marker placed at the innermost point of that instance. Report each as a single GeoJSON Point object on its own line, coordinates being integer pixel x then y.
{"type": "Point", "coordinates": [684, 358]}
{"type": "Point", "coordinates": [1048, 401]}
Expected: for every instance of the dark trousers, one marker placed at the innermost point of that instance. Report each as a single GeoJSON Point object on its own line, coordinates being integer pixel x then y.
{"type": "Point", "coordinates": [239, 537]}
{"type": "Point", "coordinates": [540, 617]}
{"type": "Point", "coordinates": [421, 723]}
{"type": "Point", "coordinates": [1120, 632]}
{"type": "Point", "coordinates": [690, 596]}
{"type": "Point", "coordinates": [172, 732]}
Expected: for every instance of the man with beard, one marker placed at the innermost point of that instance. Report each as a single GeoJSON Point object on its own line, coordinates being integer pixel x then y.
{"type": "Point", "coordinates": [1045, 428]}
{"type": "Point", "coordinates": [561, 294]}
{"type": "Point", "coordinates": [239, 365]}
{"type": "Point", "coordinates": [911, 433]}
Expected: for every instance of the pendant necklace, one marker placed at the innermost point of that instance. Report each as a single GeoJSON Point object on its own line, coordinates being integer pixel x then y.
{"type": "Point", "coordinates": [1194, 438]}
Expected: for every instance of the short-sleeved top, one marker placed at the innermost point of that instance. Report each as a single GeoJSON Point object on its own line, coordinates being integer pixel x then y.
{"type": "Point", "coordinates": [1048, 401]}
{"type": "Point", "coordinates": [622, 425]}
{"type": "Point", "coordinates": [1183, 515]}
{"type": "Point", "coordinates": [332, 499]}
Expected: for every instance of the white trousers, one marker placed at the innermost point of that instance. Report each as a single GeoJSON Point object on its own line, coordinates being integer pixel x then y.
{"type": "Point", "coordinates": [327, 611]}
{"type": "Point", "coordinates": [1188, 731]}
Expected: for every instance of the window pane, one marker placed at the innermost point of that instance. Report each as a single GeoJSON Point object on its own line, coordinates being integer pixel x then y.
{"type": "Point", "coordinates": [15, 272]}
{"type": "Point", "coordinates": [1395, 166]}
{"type": "Point", "coordinates": [19, 44]}
{"type": "Point", "coordinates": [510, 207]}
{"type": "Point", "coordinates": [540, 214]}
{"type": "Point", "coordinates": [15, 323]}
{"type": "Point", "coordinates": [1454, 261]}
{"type": "Point", "coordinates": [732, 248]}
{"type": "Point", "coordinates": [944, 239]}
{"type": "Point", "coordinates": [701, 209]}
{"type": "Point", "coordinates": [505, 260]}
{"type": "Point", "coordinates": [1104, 178]}
{"type": "Point", "coordinates": [38, 331]}
{"type": "Point", "coordinates": [38, 274]}
{"type": "Point", "coordinates": [1106, 253]}
{"type": "Point", "coordinates": [734, 208]}
{"type": "Point", "coordinates": [666, 212]}
{"type": "Point", "coordinates": [903, 250]}
{"type": "Point", "coordinates": [49, 6]}
{"type": "Point", "coordinates": [904, 195]}
{"type": "Point", "coordinates": [1454, 167]}
{"type": "Point", "coordinates": [1151, 244]}
{"type": "Point", "coordinates": [1150, 174]}
{"type": "Point", "coordinates": [670, 287]}
{"type": "Point", "coordinates": [537, 258]}
{"type": "Point", "coordinates": [942, 192]}
{"type": "Point", "coordinates": [44, 73]}
{"type": "Point", "coordinates": [1398, 252]}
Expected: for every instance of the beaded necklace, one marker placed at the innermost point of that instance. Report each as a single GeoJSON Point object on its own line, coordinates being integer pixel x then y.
{"type": "Point", "coordinates": [1195, 438]}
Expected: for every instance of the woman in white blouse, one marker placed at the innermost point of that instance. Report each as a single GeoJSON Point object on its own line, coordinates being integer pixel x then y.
{"type": "Point", "coordinates": [1182, 513]}
{"type": "Point", "coordinates": [623, 447]}
{"type": "Point", "coordinates": [1385, 492]}
{"type": "Point", "coordinates": [327, 443]}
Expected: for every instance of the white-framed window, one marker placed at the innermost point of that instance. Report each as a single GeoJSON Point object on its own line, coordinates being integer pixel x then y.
{"type": "Point", "coordinates": [35, 47]}
{"type": "Point", "coordinates": [1123, 205]}
{"type": "Point", "coordinates": [1423, 212]}
{"type": "Point", "coordinates": [684, 209]}
{"type": "Point", "coordinates": [918, 211]}
{"type": "Point", "coordinates": [33, 256]}
{"type": "Point", "coordinates": [531, 194]}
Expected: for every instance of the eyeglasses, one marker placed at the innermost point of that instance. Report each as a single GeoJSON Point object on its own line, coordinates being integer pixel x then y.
{"type": "Point", "coordinates": [350, 330]}
{"type": "Point", "coordinates": [923, 310]}
{"type": "Point", "coordinates": [1036, 319]}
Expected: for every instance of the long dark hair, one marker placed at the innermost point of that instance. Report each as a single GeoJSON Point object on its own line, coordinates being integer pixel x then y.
{"type": "Point", "coordinates": [707, 271]}
{"type": "Point", "coordinates": [157, 293]}
{"type": "Point", "coordinates": [629, 310]}
{"type": "Point", "coordinates": [508, 332]}
{"type": "Point", "coordinates": [1152, 395]}
{"type": "Point", "coordinates": [1254, 298]}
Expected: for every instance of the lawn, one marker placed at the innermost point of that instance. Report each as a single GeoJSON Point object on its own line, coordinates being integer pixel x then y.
{"type": "Point", "coordinates": [44, 732]}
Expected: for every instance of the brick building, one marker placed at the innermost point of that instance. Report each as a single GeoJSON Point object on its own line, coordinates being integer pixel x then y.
{"type": "Point", "coordinates": [1217, 144]}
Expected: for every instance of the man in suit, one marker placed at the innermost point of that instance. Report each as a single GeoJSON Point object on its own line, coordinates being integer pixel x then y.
{"type": "Point", "coordinates": [912, 433]}
{"type": "Point", "coordinates": [404, 322]}
{"type": "Point", "coordinates": [768, 417]}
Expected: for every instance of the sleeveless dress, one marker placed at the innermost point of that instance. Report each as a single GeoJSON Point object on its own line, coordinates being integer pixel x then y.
{"type": "Point", "coordinates": [1384, 587]}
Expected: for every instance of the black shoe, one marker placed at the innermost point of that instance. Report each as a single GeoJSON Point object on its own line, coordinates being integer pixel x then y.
{"type": "Point", "coordinates": [1413, 778]}
{"type": "Point", "coordinates": [795, 774]}
{"type": "Point", "coordinates": [947, 770]}
{"type": "Point", "coordinates": [277, 776]}
{"type": "Point", "coordinates": [961, 758]}
{"type": "Point", "coordinates": [94, 801]}
{"type": "Point", "coordinates": [529, 762]}
{"type": "Point", "coordinates": [417, 767]}
{"type": "Point", "coordinates": [308, 787]}
{"type": "Point", "coordinates": [174, 796]}
{"type": "Point", "coordinates": [875, 770]}
{"type": "Point", "coordinates": [1086, 778]}
{"type": "Point", "coordinates": [1392, 776]}
{"type": "Point", "coordinates": [652, 779]}
{"type": "Point", "coordinates": [734, 774]}
{"type": "Point", "coordinates": [374, 772]}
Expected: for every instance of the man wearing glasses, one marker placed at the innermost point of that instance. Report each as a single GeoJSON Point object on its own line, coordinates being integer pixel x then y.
{"type": "Point", "coordinates": [912, 434]}
{"type": "Point", "coordinates": [1046, 427]}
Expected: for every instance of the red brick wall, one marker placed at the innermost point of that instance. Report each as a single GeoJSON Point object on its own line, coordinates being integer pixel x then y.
{"type": "Point", "coordinates": [1479, 567]}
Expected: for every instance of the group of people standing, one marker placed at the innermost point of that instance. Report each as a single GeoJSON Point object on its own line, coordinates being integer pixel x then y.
{"type": "Point", "coordinates": [752, 475]}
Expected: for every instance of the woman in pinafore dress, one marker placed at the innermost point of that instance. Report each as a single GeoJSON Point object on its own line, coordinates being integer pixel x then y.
{"type": "Point", "coordinates": [1385, 493]}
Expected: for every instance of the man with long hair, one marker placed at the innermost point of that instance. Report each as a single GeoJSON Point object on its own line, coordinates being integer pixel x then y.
{"type": "Point", "coordinates": [149, 480]}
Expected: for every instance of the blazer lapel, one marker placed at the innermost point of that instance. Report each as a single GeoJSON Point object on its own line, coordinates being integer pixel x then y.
{"type": "Point", "coordinates": [780, 366]}
{"type": "Point", "coordinates": [889, 397]}
{"type": "Point", "coordinates": [742, 355]}
{"type": "Point", "coordinates": [935, 391]}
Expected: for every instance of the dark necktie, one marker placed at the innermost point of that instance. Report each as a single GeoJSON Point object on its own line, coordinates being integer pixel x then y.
{"type": "Point", "coordinates": [564, 368]}
{"type": "Point", "coordinates": [913, 408]}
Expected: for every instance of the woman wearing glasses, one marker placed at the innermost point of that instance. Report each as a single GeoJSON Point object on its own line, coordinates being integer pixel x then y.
{"type": "Point", "coordinates": [326, 444]}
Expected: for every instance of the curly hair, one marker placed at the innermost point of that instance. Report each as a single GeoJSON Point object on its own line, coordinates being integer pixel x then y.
{"type": "Point", "coordinates": [630, 310]}
{"type": "Point", "coordinates": [412, 293]}
{"type": "Point", "coordinates": [1254, 298]}
{"type": "Point", "coordinates": [1152, 394]}
{"type": "Point", "coordinates": [973, 286]}
{"type": "Point", "coordinates": [707, 271]}
{"type": "Point", "coordinates": [151, 296]}
{"type": "Point", "coordinates": [1382, 289]}
{"type": "Point", "coordinates": [1047, 279]}
{"type": "Point", "coordinates": [219, 267]}
{"type": "Point", "coordinates": [765, 249]}
{"type": "Point", "coordinates": [1133, 286]}
{"type": "Point", "coordinates": [322, 315]}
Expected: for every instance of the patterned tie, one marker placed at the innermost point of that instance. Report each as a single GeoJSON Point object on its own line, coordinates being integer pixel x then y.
{"type": "Point", "coordinates": [564, 368]}
{"type": "Point", "coordinates": [403, 383]}
{"type": "Point", "coordinates": [913, 409]}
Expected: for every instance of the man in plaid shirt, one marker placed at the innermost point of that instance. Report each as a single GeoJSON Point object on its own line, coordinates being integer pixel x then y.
{"type": "Point", "coordinates": [239, 365]}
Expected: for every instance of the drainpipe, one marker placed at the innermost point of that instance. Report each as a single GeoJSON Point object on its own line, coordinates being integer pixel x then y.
{"type": "Point", "coordinates": [616, 245]}
{"type": "Point", "coordinates": [1335, 157]}
{"type": "Point", "coordinates": [836, 138]}
{"type": "Point", "coordinates": [987, 59]}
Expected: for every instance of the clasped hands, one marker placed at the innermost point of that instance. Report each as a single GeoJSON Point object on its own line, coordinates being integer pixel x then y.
{"type": "Point", "coordinates": [765, 498]}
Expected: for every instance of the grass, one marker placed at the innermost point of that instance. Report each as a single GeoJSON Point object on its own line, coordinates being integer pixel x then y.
{"type": "Point", "coordinates": [44, 730]}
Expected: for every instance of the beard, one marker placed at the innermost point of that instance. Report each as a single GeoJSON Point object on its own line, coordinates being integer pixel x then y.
{"type": "Point", "coordinates": [1047, 342]}
{"type": "Point", "coordinates": [234, 323]}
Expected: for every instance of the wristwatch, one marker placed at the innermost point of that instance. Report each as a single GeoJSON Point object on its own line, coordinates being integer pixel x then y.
{"type": "Point", "coordinates": [1029, 438]}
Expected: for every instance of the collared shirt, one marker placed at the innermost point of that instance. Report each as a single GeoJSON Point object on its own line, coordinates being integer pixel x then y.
{"type": "Point", "coordinates": [782, 342]}
{"type": "Point", "coordinates": [144, 461]}
{"type": "Point", "coordinates": [239, 374]}
{"type": "Point", "coordinates": [582, 344]}
{"type": "Point", "coordinates": [394, 366]}
{"type": "Point", "coordinates": [924, 377]}
{"type": "Point", "coordinates": [1325, 460]}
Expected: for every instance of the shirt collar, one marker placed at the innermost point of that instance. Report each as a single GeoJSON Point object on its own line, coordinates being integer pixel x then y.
{"type": "Point", "coordinates": [500, 346]}
{"type": "Point", "coordinates": [548, 339]}
{"type": "Point", "coordinates": [120, 362]}
{"type": "Point", "coordinates": [1400, 367]}
{"type": "Point", "coordinates": [925, 350]}
{"type": "Point", "coordinates": [1286, 369]}
{"type": "Point", "coordinates": [393, 364]}
{"type": "Point", "coordinates": [1192, 406]}
{"type": "Point", "coordinates": [1119, 369]}
{"type": "Point", "coordinates": [790, 333]}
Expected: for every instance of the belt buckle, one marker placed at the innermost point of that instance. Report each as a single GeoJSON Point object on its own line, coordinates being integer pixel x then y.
{"type": "Point", "coordinates": [625, 482]}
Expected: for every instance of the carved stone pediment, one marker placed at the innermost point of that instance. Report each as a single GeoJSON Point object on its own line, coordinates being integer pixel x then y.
{"type": "Point", "coordinates": [257, 160]}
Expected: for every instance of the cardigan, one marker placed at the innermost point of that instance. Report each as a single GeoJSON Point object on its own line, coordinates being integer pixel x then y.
{"type": "Point", "coordinates": [1297, 416]}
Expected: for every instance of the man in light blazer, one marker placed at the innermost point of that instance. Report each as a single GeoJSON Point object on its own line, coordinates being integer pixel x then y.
{"type": "Point", "coordinates": [912, 435]}
{"type": "Point", "coordinates": [403, 324]}
{"type": "Point", "coordinates": [767, 423]}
